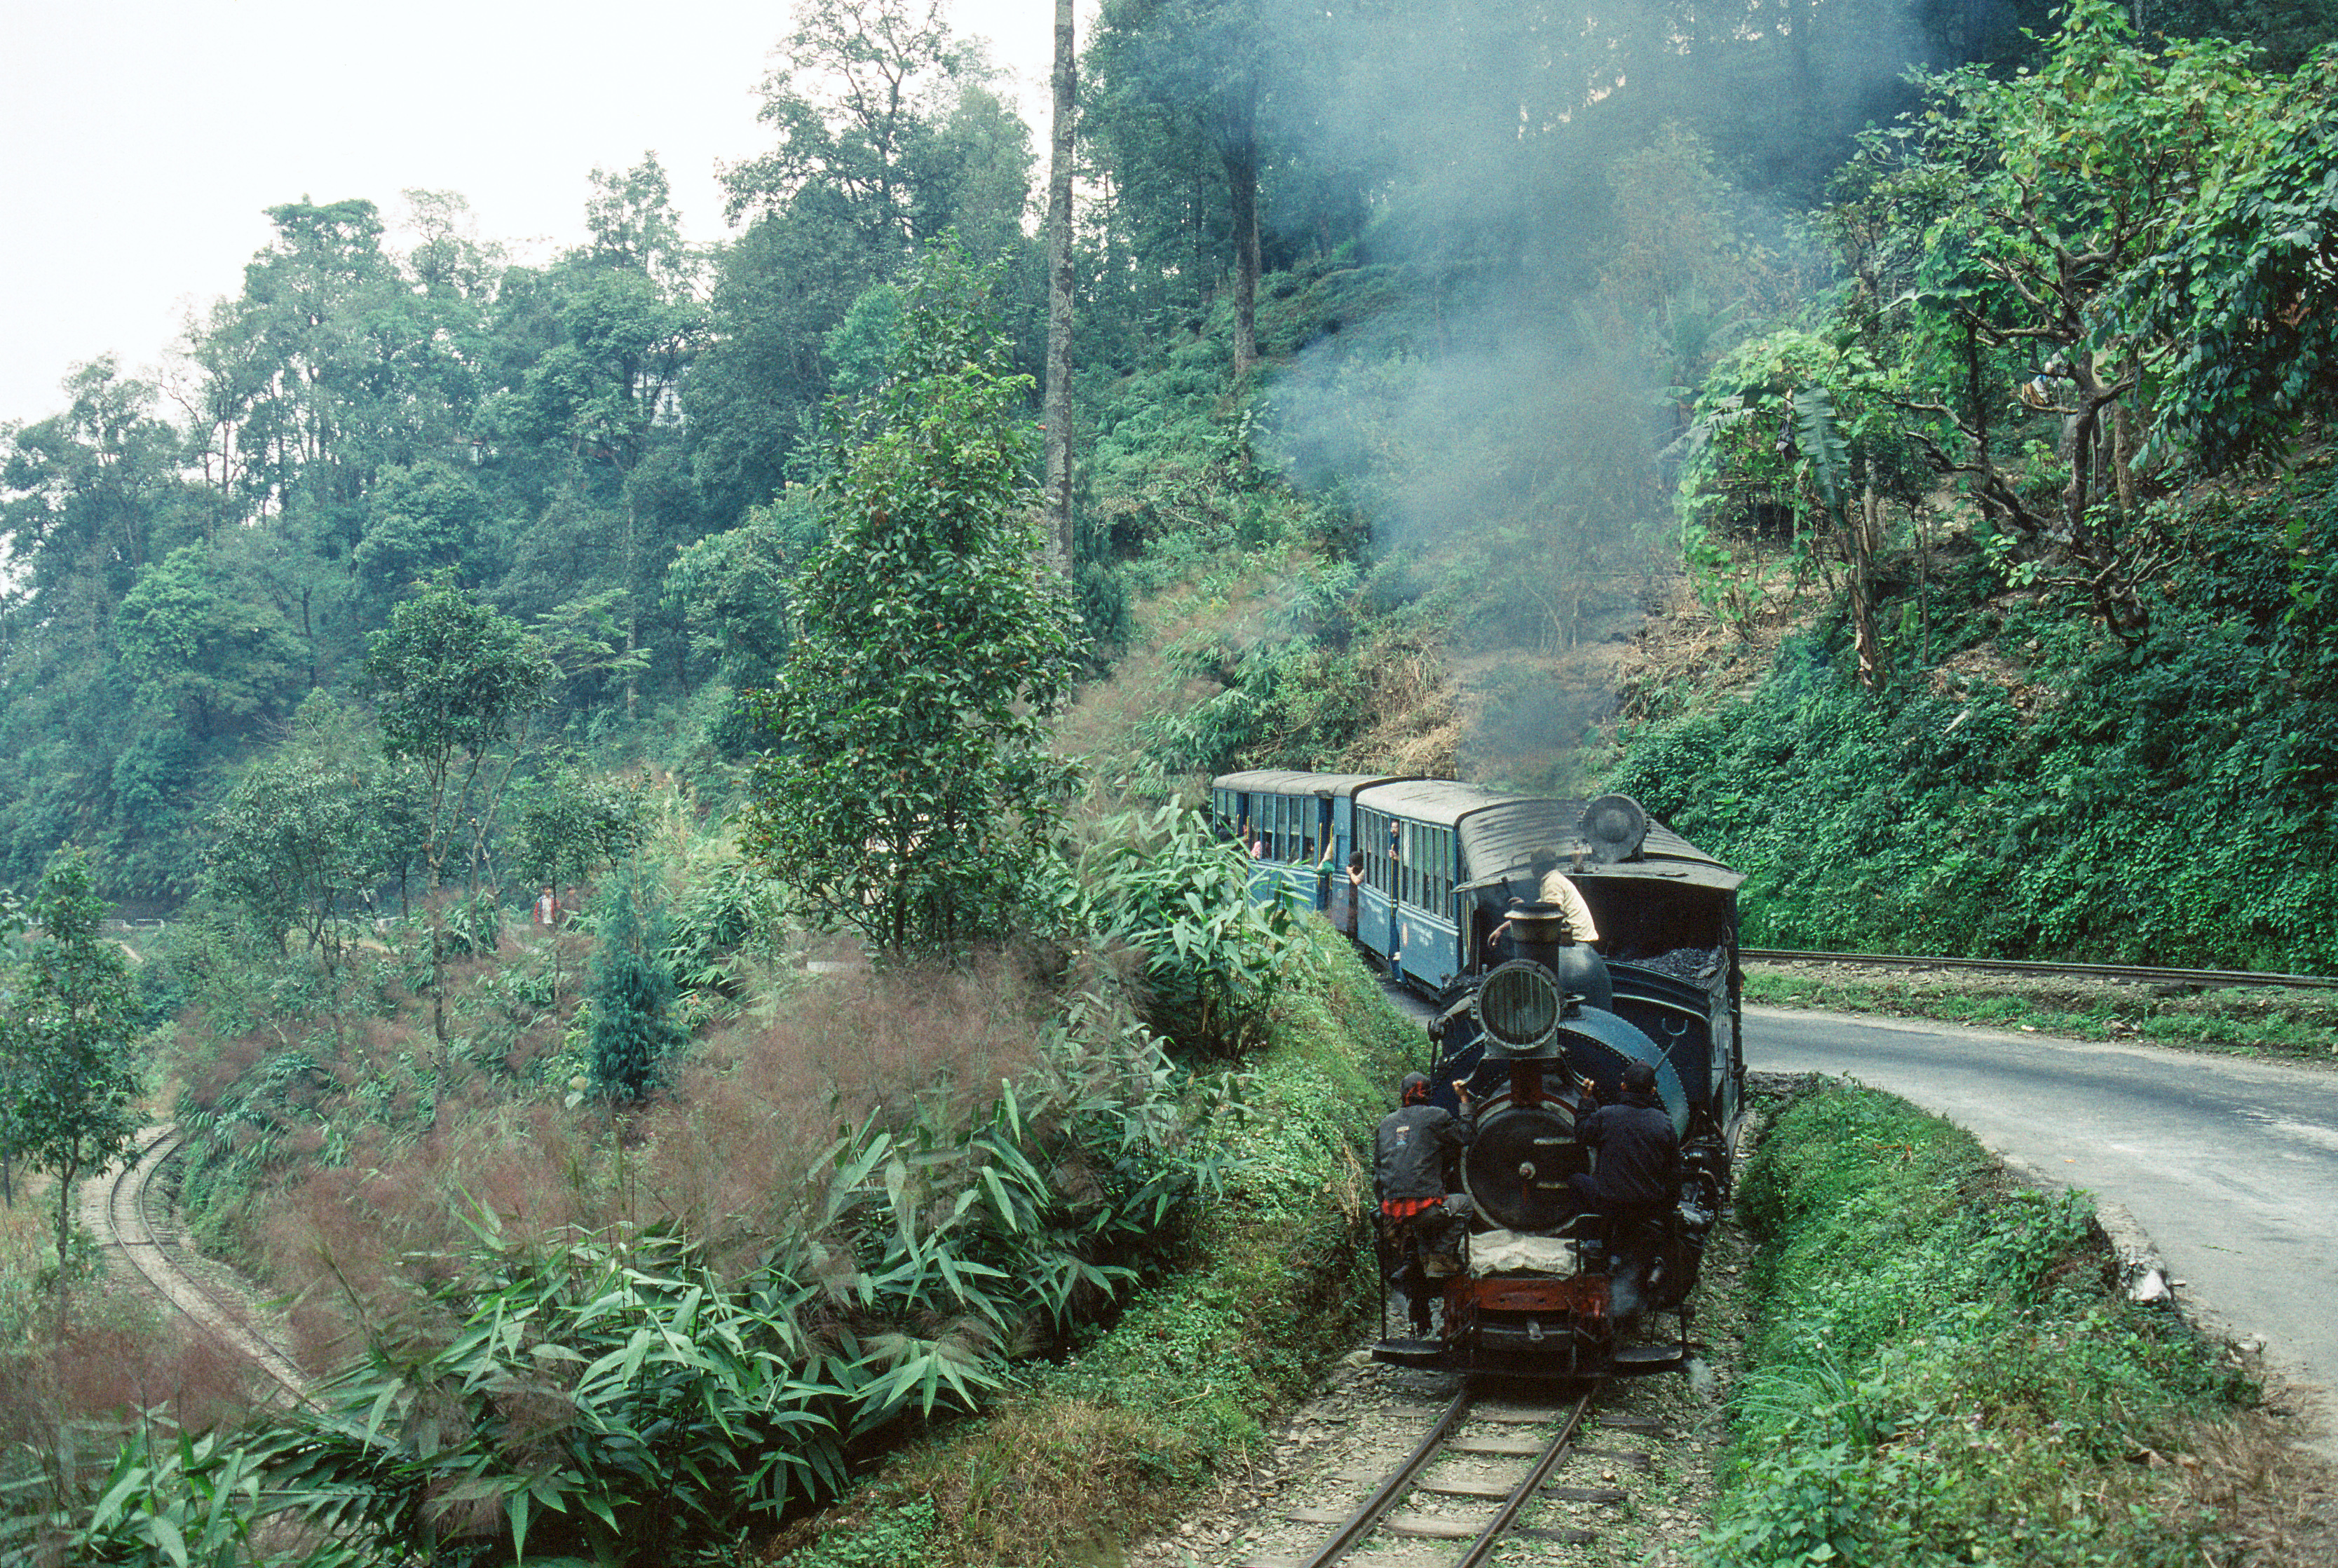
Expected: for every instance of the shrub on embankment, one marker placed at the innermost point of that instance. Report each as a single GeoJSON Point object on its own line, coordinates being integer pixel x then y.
{"type": "Point", "coordinates": [1946, 1369]}
{"type": "Point", "coordinates": [2035, 786]}
{"type": "Point", "coordinates": [1113, 1443]}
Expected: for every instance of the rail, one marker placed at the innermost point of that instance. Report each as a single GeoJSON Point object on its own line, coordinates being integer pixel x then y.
{"type": "Point", "coordinates": [2217, 977]}
{"type": "Point", "coordinates": [1483, 1534]}
{"type": "Point", "coordinates": [126, 1222]}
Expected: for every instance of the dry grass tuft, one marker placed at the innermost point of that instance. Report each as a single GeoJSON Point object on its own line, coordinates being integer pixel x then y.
{"type": "Point", "coordinates": [724, 1157]}
{"type": "Point", "coordinates": [2276, 1500]}
{"type": "Point", "coordinates": [116, 1363]}
{"type": "Point", "coordinates": [1075, 1462]}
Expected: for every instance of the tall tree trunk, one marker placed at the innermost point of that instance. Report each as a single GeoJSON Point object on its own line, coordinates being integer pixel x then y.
{"type": "Point", "coordinates": [66, 1171]}
{"type": "Point", "coordinates": [1057, 414]}
{"type": "Point", "coordinates": [633, 614]}
{"type": "Point", "coordinates": [1866, 540]}
{"type": "Point", "coordinates": [1242, 179]}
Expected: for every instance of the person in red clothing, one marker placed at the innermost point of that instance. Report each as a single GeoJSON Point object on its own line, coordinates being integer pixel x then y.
{"type": "Point", "coordinates": [1411, 1152]}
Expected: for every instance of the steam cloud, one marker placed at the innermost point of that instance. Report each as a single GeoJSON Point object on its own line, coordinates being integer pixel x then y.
{"type": "Point", "coordinates": [1564, 206]}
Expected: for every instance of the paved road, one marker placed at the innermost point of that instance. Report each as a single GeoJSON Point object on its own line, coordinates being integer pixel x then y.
{"type": "Point", "coordinates": [2231, 1166]}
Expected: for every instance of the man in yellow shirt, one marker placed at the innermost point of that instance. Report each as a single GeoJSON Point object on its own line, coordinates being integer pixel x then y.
{"type": "Point", "coordinates": [1556, 887]}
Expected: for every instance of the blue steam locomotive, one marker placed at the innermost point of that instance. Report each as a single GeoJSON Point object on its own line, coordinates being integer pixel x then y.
{"type": "Point", "coordinates": [1443, 883]}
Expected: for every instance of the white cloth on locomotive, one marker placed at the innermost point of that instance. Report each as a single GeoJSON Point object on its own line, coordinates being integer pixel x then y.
{"type": "Point", "coordinates": [1512, 1252]}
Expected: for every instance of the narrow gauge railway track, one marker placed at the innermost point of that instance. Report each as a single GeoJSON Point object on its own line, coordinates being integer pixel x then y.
{"type": "Point", "coordinates": [120, 1209]}
{"type": "Point", "coordinates": [1468, 1428]}
{"type": "Point", "coordinates": [2210, 977]}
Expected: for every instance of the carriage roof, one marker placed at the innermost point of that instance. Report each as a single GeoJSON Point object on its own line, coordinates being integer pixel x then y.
{"type": "Point", "coordinates": [1286, 781]}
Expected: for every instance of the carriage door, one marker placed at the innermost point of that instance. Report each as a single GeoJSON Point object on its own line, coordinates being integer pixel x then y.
{"type": "Point", "coordinates": [1383, 858]}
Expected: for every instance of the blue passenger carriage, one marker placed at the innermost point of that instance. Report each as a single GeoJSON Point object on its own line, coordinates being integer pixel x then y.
{"type": "Point", "coordinates": [1300, 828]}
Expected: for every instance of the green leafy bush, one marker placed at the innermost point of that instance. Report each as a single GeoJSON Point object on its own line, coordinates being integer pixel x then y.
{"type": "Point", "coordinates": [1946, 1371]}
{"type": "Point", "coordinates": [1180, 1391]}
{"type": "Point", "coordinates": [2058, 793]}
{"type": "Point", "coordinates": [633, 996]}
{"type": "Point", "coordinates": [1214, 957]}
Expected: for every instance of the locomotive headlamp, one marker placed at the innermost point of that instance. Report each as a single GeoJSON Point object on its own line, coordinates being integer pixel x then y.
{"type": "Point", "coordinates": [1520, 1007]}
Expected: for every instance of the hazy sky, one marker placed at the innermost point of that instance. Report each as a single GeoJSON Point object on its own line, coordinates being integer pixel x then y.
{"type": "Point", "coordinates": [140, 140]}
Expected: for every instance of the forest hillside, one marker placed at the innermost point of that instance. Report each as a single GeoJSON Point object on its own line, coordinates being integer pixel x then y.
{"type": "Point", "coordinates": [685, 967]}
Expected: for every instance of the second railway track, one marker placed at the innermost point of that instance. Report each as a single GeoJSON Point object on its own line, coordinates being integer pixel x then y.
{"type": "Point", "coordinates": [121, 1209]}
{"type": "Point", "coordinates": [2141, 974]}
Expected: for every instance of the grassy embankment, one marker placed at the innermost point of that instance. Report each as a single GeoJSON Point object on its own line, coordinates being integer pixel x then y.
{"type": "Point", "coordinates": [1110, 1445]}
{"type": "Point", "coordinates": [1946, 1370]}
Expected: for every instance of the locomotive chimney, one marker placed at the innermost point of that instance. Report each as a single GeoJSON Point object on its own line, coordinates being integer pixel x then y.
{"type": "Point", "coordinates": [1540, 930]}
{"type": "Point", "coordinates": [1545, 939]}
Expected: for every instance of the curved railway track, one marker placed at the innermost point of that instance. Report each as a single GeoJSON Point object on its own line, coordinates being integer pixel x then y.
{"type": "Point", "coordinates": [2145, 973]}
{"type": "Point", "coordinates": [1478, 1431]}
{"type": "Point", "coordinates": [119, 1209]}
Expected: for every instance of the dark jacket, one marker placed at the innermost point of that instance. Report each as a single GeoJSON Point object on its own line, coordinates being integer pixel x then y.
{"type": "Point", "coordinates": [1409, 1161]}
{"type": "Point", "coordinates": [1639, 1154]}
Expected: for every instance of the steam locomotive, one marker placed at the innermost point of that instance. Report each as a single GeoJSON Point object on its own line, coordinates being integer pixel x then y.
{"type": "Point", "coordinates": [1438, 881]}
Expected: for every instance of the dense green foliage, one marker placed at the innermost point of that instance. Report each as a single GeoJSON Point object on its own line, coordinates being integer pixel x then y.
{"type": "Point", "coordinates": [67, 1020]}
{"type": "Point", "coordinates": [1214, 961]}
{"type": "Point", "coordinates": [632, 999]}
{"type": "Point", "coordinates": [2090, 234]}
{"type": "Point", "coordinates": [1099, 1450]}
{"type": "Point", "coordinates": [1946, 1371]}
{"type": "Point", "coordinates": [909, 793]}
{"type": "Point", "coordinates": [2067, 696]}
{"type": "Point", "coordinates": [2159, 802]}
